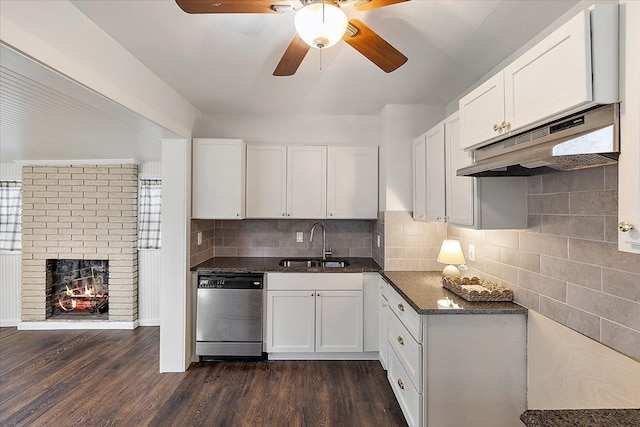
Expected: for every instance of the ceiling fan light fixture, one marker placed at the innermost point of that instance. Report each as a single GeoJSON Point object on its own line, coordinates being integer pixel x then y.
{"type": "Point", "coordinates": [320, 25]}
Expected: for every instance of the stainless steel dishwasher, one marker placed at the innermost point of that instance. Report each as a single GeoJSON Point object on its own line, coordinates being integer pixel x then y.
{"type": "Point", "coordinates": [229, 315]}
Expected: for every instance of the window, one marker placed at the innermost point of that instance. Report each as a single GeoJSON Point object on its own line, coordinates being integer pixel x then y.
{"type": "Point", "coordinates": [149, 214]}
{"type": "Point", "coordinates": [10, 216]}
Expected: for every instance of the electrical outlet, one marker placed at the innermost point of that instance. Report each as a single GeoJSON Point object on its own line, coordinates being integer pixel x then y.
{"type": "Point", "coordinates": [299, 237]}
{"type": "Point", "coordinates": [378, 241]}
{"type": "Point", "coordinates": [472, 253]}
{"type": "Point", "coordinates": [199, 238]}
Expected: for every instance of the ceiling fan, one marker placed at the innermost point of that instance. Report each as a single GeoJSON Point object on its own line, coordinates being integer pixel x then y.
{"type": "Point", "coordinates": [319, 24]}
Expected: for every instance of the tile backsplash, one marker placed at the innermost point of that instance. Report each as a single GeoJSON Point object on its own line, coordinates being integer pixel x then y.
{"type": "Point", "coordinates": [566, 265]}
{"type": "Point", "coordinates": [277, 238]}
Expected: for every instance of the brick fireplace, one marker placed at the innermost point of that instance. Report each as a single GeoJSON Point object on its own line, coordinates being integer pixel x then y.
{"type": "Point", "coordinates": [85, 212]}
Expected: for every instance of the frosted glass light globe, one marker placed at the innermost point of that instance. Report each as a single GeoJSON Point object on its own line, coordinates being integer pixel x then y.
{"type": "Point", "coordinates": [320, 25]}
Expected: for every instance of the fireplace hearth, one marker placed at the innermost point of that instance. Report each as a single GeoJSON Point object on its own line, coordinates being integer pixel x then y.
{"type": "Point", "coordinates": [77, 289]}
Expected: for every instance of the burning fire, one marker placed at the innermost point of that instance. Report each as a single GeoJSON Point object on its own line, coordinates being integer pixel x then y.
{"type": "Point", "coordinates": [82, 297]}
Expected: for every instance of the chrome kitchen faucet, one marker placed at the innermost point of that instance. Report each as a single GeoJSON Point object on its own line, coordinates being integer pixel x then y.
{"type": "Point", "coordinates": [325, 252]}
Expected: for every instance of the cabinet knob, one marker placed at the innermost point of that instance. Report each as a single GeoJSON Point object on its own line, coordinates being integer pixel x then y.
{"type": "Point", "coordinates": [625, 226]}
{"type": "Point", "coordinates": [496, 127]}
{"type": "Point", "coordinates": [400, 307]}
{"type": "Point", "coordinates": [237, 214]}
{"type": "Point", "coordinates": [288, 214]}
{"type": "Point", "coordinates": [438, 218]}
{"type": "Point", "coordinates": [506, 125]}
{"type": "Point", "coordinates": [311, 293]}
{"type": "Point", "coordinates": [284, 214]}
{"type": "Point", "coordinates": [400, 340]}
{"type": "Point", "coordinates": [421, 216]}
{"type": "Point", "coordinates": [401, 383]}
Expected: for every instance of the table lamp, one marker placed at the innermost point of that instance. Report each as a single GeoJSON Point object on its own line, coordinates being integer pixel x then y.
{"type": "Point", "coordinates": [451, 254]}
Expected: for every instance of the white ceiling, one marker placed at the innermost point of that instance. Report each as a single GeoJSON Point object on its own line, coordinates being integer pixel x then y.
{"type": "Point", "coordinates": [224, 64]}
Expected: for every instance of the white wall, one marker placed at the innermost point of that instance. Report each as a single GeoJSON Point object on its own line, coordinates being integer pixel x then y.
{"type": "Point", "coordinates": [149, 265]}
{"type": "Point", "coordinates": [57, 34]}
{"type": "Point", "coordinates": [298, 129]}
{"type": "Point", "coordinates": [567, 370]}
{"type": "Point", "coordinates": [175, 295]}
{"type": "Point", "coordinates": [10, 265]}
{"type": "Point", "coordinates": [401, 124]}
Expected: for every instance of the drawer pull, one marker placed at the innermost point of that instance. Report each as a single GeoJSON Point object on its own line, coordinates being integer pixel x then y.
{"type": "Point", "coordinates": [401, 383]}
{"type": "Point", "coordinates": [400, 307]}
{"type": "Point", "coordinates": [400, 340]}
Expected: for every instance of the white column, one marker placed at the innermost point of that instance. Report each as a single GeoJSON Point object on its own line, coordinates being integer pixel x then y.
{"type": "Point", "coordinates": [174, 290]}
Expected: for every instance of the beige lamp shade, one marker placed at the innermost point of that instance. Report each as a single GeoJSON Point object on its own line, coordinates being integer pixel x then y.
{"type": "Point", "coordinates": [451, 254]}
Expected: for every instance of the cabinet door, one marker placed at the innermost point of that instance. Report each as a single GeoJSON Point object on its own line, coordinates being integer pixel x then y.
{"type": "Point", "coordinates": [460, 192]}
{"type": "Point", "coordinates": [383, 321]}
{"type": "Point", "coordinates": [266, 181]}
{"type": "Point", "coordinates": [218, 178]}
{"type": "Point", "coordinates": [552, 77]}
{"type": "Point", "coordinates": [482, 110]}
{"type": "Point", "coordinates": [419, 179]}
{"type": "Point", "coordinates": [307, 182]}
{"type": "Point", "coordinates": [290, 321]}
{"type": "Point", "coordinates": [352, 182]}
{"type": "Point", "coordinates": [339, 325]}
{"type": "Point", "coordinates": [435, 174]}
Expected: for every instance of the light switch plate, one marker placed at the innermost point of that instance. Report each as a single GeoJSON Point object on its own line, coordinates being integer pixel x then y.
{"type": "Point", "coordinates": [199, 238]}
{"type": "Point", "coordinates": [299, 237]}
{"type": "Point", "coordinates": [472, 253]}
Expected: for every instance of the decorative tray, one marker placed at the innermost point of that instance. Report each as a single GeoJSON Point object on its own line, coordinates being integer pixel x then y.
{"type": "Point", "coordinates": [476, 289]}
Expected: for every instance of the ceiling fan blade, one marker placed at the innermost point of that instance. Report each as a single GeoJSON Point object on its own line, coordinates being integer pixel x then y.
{"type": "Point", "coordinates": [374, 47]}
{"type": "Point", "coordinates": [292, 57]}
{"type": "Point", "coordinates": [374, 4]}
{"type": "Point", "coordinates": [227, 6]}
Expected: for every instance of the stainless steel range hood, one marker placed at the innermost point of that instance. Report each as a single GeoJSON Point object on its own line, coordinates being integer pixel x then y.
{"type": "Point", "coordinates": [586, 139]}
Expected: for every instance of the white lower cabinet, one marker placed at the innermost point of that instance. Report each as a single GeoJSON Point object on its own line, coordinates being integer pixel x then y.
{"type": "Point", "coordinates": [456, 369]}
{"type": "Point", "coordinates": [408, 397]}
{"type": "Point", "coordinates": [314, 313]}
{"type": "Point", "coordinates": [383, 320]}
{"type": "Point", "coordinates": [291, 321]}
{"type": "Point", "coordinates": [339, 321]}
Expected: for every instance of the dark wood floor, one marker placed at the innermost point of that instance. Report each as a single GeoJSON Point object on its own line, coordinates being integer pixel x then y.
{"type": "Point", "coordinates": [111, 378]}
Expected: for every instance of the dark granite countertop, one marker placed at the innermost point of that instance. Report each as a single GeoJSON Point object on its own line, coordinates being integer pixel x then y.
{"type": "Point", "coordinates": [249, 264]}
{"type": "Point", "coordinates": [582, 418]}
{"type": "Point", "coordinates": [423, 289]}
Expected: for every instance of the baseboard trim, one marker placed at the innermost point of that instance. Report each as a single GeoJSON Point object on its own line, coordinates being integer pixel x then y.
{"type": "Point", "coordinates": [52, 325]}
{"type": "Point", "coordinates": [368, 355]}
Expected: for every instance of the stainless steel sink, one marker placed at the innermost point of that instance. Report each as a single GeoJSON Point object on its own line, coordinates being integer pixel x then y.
{"type": "Point", "coordinates": [313, 262]}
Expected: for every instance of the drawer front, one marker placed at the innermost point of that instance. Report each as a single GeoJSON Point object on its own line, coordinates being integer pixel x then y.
{"type": "Point", "coordinates": [407, 349]}
{"type": "Point", "coordinates": [408, 397]}
{"type": "Point", "coordinates": [406, 314]}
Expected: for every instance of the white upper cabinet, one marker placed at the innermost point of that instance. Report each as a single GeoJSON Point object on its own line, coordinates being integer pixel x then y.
{"type": "Point", "coordinates": [352, 183]}
{"type": "Point", "coordinates": [306, 182]}
{"type": "Point", "coordinates": [419, 179]}
{"type": "Point", "coordinates": [286, 182]}
{"type": "Point", "coordinates": [218, 178]}
{"type": "Point", "coordinates": [435, 179]}
{"type": "Point", "coordinates": [571, 69]}
{"type": "Point", "coordinates": [481, 203]}
{"type": "Point", "coordinates": [266, 181]}
{"type": "Point", "coordinates": [482, 112]}
{"type": "Point", "coordinates": [460, 190]}
{"type": "Point", "coordinates": [312, 182]}
{"type": "Point", "coordinates": [629, 166]}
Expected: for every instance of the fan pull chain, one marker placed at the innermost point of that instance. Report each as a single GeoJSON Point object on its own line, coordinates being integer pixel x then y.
{"type": "Point", "coordinates": [321, 59]}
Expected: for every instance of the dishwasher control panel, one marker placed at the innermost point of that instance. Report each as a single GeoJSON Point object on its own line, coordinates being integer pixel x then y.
{"type": "Point", "coordinates": [235, 281]}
